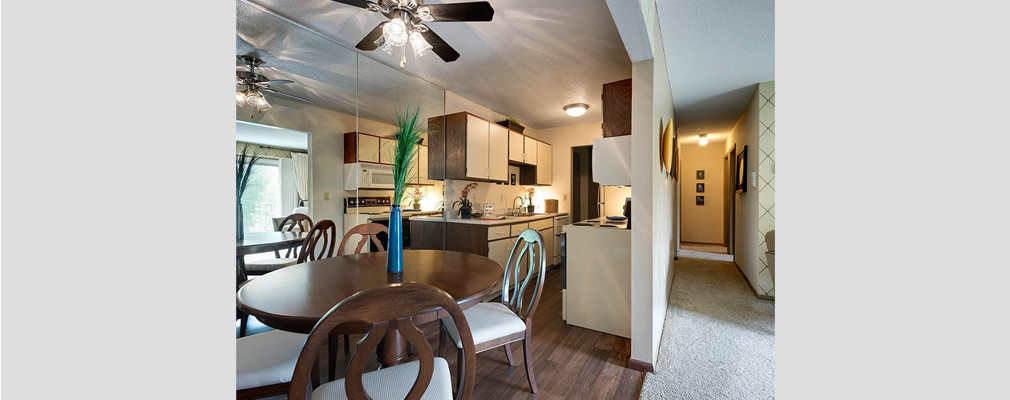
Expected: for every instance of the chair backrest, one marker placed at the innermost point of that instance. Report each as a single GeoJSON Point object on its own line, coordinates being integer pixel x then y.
{"type": "Point", "coordinates": [515, 282]}
{"type": "Point", "coordinates": [386, 307]}
{"type": "Point", "coordinates": [366, 231]}
{"type": "Point", "coordinates": [320, 242]}
{"type": "Point", "coordinates": [294, 223]}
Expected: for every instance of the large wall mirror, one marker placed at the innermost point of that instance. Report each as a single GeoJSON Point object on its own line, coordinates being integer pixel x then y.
{"type": "Point", "coordinates": [344, 104]}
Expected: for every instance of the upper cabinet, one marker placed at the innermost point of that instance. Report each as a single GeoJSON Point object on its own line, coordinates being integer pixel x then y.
{"type": "Point", "coordinates": [422, 166]}
{"type": "Point", "coordinates": [617, 108]}
{"type": "Point", "coordinates": [362, 147]}
{"type": "Point", "coordinates": [516, 146]}
{"type": "Point", "coordinates": [530, 150]}
{"type": "Point", "coordinates": [474, 148]}
{"type": "Point", "coordinates": [544, 163]}
{"type": "Point", "coordinates": [387, 150]}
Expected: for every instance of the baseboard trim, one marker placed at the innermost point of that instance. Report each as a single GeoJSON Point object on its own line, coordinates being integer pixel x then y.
{"type": "Point", "coordinates": [752, 288]}
{"type": "Point", "coordinates": [641, 366]}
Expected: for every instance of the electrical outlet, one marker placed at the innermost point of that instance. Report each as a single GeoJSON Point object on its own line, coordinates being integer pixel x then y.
{"type": "Point", "coordinates": [502, 196]}
{"type": "Point", "coordinates": [564, 197]}
{"type": "Point", "coordinates": [326, 196]}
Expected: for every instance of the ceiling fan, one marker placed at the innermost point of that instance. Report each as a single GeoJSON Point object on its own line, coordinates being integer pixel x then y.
{"type": "Point", "coordinates": [406, 23]}
{"type": "Point", "coordinates": [252, 85]}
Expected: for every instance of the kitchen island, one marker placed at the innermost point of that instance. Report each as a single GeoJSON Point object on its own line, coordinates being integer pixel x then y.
{"type": "Point", "coordinates": [598, 275]}
{"type": "Point", "coordinates": [489, 238]}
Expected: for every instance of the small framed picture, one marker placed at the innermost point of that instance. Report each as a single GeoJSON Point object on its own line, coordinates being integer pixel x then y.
{"type": "Point", "coordinates": [701, 175]}
{"type": "Point", "coordinates": [699, 200]}
{"type": "Point", "coordinates": [512, 179]}
{"type": "Point", "coordinates": [700, 188]}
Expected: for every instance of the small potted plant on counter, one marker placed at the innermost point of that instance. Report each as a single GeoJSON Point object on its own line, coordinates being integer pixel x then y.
{"type": "Point", "coordinates": [465, 206]}
{"type": "Point", "coordinates": [529, 199]}
{"type": "Point", "coordinates": [512, 124]}
{"type": "Point", "coordinates": [416, 195]}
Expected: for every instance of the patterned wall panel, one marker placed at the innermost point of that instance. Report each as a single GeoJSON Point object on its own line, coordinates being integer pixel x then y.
{"type": "Point", "coordinates": [766, 179]}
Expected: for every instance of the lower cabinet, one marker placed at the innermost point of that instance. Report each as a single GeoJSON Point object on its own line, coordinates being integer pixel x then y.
{"type": "Point", "coordinates": [498, 250]}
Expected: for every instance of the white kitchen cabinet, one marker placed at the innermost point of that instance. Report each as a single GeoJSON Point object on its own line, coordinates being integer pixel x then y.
{"type": "Point", "coordinates": [498, 251]}
{"type": "Point", "coordinates": [477, 156]}
{"type": "Point", "coordinates": [530, 149]}
{"type": "Point", "coordinates": [422, 166]}
{"type": "Point", "coordinates": [387, 150]}
{"type": "Point", "coordinates": [368, 148]}
{"type": "Point", "coordinates": [516, 140]}
{"type": "Point", "coordinates": [544, 163]}
{"type": "Point", "coordinates": [498, 163]}
{"type": "Point", "coordinates": [548, 235]}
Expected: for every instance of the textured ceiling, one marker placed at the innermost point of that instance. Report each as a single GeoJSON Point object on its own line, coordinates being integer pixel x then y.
{"type": "Point", "coordinates": [533, 58]}
{"type": "Point", "coordinates": [326, 72]}
{"type": "Point", "coordinates": [716, 53]}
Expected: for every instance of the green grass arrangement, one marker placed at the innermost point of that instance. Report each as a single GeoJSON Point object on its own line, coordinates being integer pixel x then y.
{"type": "Point", "coordinates": [408, 137]}
{"type": "Point", "coordinates": [244, 163]}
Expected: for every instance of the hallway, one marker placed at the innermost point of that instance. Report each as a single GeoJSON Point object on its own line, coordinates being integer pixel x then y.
{"type": "Point", "coordinates": [719, 339]}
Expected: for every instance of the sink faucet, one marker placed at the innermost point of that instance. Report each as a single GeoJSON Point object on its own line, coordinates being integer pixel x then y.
{"type": "Point", "coordinates": [516, 210]}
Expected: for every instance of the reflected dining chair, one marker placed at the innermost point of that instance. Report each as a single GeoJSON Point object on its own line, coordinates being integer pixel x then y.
{"type": "Point", "coordinates": [265, 362]}
{"type": "Point", "coordinates": [382, 309]}
{"type": "Point", "coordinates": [291, 223]}
{"type": "Point", "coordinates": [319, 243]}
{"type": "Point", "coordinates": [498, 324]}
{"type": "Point", "coordinates": [367, 231]}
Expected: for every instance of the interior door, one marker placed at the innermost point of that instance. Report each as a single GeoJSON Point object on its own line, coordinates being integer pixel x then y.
{"type": "Point", "coordinates": [516, 146]}
{"type": "Point", "coordinates": [729, 200]}
{"type": "Point", "coordinates": [498, 162]}
{"type": "Point", "coordinates": [530, 149]}
{"type": "Point", "coordinates": [544, 164]}
{"type": "Point", "coordinates": [476, 147]}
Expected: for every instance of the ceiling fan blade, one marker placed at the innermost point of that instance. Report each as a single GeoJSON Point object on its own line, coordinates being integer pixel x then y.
{"type": "Point", "coordinates": [461, 12]}
{"type": "Point", "coordinates": [440, 47]}
{"type": "Point", "coordinates": [368, 43]}
{"type": "Point", "coordinates": [276, 82]}
{"type": "Point", "coordinates": [271, 91]}
{"type": "Point", "coordinates": [356, 3]}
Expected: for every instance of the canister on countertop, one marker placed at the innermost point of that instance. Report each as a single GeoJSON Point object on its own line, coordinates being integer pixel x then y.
{"type": "Point", "coordinates": [551, 206]}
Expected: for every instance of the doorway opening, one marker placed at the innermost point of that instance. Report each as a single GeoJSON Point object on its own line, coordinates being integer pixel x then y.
{"type": "Point", "coordinates": [706, 192]}
{"type": "Point", "coordinates": [586, 201]}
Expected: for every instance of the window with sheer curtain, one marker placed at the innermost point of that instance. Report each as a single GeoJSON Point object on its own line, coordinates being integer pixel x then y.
{"type": "Point", "coordinates": [262, 199]}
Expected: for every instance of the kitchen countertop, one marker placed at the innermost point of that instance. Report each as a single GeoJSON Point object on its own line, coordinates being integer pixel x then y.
{"type": "Point", "coordinates": [406, 214]}
{"type": "Point", "coordinates": [595, 224]}
{"type": "Point", "coordinates": [506, 221]}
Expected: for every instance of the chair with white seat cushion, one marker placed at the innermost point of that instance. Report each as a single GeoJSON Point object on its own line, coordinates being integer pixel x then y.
{"type": "Point", "coordinates": [498, 324]}
{"type": "Point", "coordinates": [291, 223]}
{"type": "Point", "coordinates": [265, 363]}
{"type": "Point", "coordinates": [384, 308]}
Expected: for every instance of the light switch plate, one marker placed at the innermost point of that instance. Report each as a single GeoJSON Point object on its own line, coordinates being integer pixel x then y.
{"type": "Point", "coordinates": [754, 179]}
{"type": "Point", "coordinates": [564, 197]}
{"type": "Point", "coordinates": [326, 196]}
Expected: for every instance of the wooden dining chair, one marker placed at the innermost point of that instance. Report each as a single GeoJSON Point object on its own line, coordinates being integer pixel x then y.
{"type": "Point", "coordinates": [319, 243]}
{"type": "Point", "coordinates": [265, 362]}
{"type": "Point", "coordinates": [367, 231]}
{"type": "Point", "coordinates": [382, 309]}
{"type": "Point", "coordinates": [498, 324]}
{"type": "Point", "coordinates": [291, 223]}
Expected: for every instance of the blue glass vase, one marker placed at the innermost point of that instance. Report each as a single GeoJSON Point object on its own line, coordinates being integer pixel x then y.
{"type": "Point", "coordinates": [394, 248]}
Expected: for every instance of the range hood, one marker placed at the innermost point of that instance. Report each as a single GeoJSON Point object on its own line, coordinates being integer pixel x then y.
{"type": "Point", "coordinates": [612, 161]}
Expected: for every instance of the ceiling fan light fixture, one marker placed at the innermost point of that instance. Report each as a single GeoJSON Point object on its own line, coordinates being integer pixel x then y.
{"type": "Point", "coordinates": [576, 109]}
{"type": "Point", "coordinates": [421, 46]}
{"type": "Point", "coordinates": [395, 32]}
{"type": "Point", "coordinates": [240, 97]}
{"type": "Point", "coordinates": [424, 13]}
{"type": "Point", "coordinates": [261, 103]}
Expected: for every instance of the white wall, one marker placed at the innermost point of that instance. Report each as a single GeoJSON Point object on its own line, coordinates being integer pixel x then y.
{"type": "Point", "coordinates": [653, 240]}
{"type": "Point", "coordinates": [702, 224]}
{"type": "Point", "coordinates": [746, 235]}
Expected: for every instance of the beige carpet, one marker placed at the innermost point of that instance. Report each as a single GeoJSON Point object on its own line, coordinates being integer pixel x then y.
{"type": "Point", "coordinates": [718, 340]}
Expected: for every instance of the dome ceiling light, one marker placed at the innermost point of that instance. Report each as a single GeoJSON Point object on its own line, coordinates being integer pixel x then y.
{"type": "Point", "coordinates": [703, 139]}
{"type": "Point", "coordinates": [576, 109]}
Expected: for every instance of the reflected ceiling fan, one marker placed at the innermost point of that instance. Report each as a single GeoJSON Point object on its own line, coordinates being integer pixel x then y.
{"type": "Point", "coordinates": [406, 24]}
{"type": "Point", "coordinates": [252, 85]}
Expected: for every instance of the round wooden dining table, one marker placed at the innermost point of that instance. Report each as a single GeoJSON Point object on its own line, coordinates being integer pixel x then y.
{"type": "Point", "coordinates": [263, 242]}
{"type": "Point", "coordinates": [295, 298]}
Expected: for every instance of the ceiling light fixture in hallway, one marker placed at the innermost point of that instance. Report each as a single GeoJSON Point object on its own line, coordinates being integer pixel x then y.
{"type": "Point", "coordinates": [703, 139]}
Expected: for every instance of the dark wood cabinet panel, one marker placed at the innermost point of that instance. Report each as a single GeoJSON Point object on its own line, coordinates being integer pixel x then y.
{"type": "Point", "coordinates": [436, 148]}
{"type": "Point", "coordinates": [617, 108]}
{"type": "Point", "coordinates": [426, 235]}
{"type": "Point", "coordinates": [467, 238]}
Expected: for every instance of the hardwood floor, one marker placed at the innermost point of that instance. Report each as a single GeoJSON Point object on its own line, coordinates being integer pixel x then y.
{"type": "Point", "coordinates": [569, 362]}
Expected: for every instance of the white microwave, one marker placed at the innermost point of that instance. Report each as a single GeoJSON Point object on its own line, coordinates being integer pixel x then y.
{"type": "Point", "coordinates": [367, 176]}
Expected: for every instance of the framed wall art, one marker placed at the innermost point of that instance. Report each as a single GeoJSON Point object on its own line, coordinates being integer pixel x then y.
{"type": "Point", "coordinates": [741, 171]}
{"type": "Point", "coordinates": [699, 200]}
{"type": "Point", "coordinates": [699, 187]}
